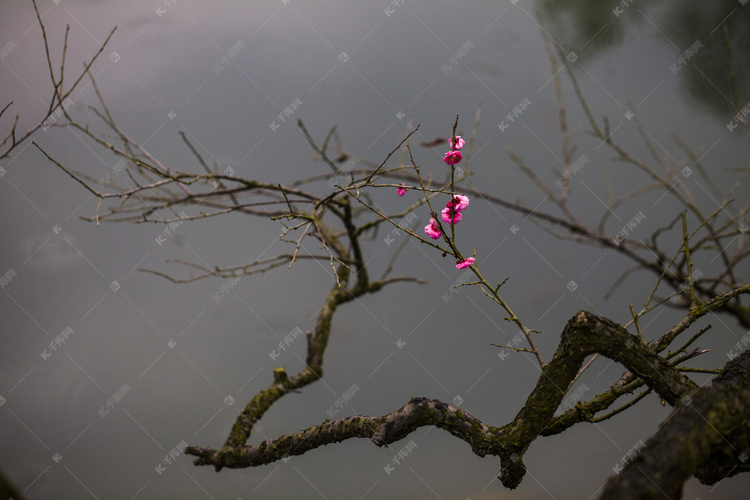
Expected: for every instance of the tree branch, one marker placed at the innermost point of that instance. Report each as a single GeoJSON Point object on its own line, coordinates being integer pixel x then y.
{"type": "Point", "coordinates": [707, 435]}
{"type": "Point", "coordinates": [584, 334]}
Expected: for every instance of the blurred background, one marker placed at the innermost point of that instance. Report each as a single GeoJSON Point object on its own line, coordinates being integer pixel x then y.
{"type": "Point", "coordinates": [146, 365]}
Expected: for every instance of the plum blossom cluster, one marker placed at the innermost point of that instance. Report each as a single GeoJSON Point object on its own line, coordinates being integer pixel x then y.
{"type": "Point", "coordinates": [454, 155]}
{"type": "Point", "coordinates": [451, 214]}
{"type": "Point", "coordinates": [452, 211]}
{"type": "Point", "coordinates": [451, 158]}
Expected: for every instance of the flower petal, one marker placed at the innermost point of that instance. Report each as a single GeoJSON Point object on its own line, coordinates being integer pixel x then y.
{"type": "Point", "coordinates": [465, 263]}
{"type": "Point", "coordinates": [452, 157]}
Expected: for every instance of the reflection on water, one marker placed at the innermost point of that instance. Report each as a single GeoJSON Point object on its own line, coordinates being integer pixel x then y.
{"type": "Point", "coordinates": [710, 41]}
{"type": "Point", "coordinates": [60, 394]}
{"type": "Point", "coordinates": [50, 251]}
{"type": "Point", "coordinates": [400, 69]}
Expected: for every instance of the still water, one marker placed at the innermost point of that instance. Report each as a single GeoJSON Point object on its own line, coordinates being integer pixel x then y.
{"type": "Point", "coordinates": [146, 365]}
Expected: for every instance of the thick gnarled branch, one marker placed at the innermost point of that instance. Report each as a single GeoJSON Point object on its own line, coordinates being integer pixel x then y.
{"type": "Point", "coordinates": [707, 436]}
{"type": "Point", "coordinates": [382, 430]}
{"type": "Point", "coordinates": [584, 334]}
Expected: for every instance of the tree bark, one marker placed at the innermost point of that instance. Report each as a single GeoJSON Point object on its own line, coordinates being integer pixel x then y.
{"type": "Point", "coordinates": [707, 436]}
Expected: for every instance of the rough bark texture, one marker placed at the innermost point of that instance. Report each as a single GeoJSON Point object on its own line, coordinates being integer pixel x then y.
{"type": "Point", "coordinates": [707, 435]}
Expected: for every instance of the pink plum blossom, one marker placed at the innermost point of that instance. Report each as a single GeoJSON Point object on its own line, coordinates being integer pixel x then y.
{"type": "Point", "coordinates": [401, 190]}
{"type": "Point", "coordinates": [459, 143]}
{"type": "Point", "coordinates": [452, 157]}
{"type": "Point", "coordinates": [447, 212]}
{"type": "Point", "coordinates": [454, 207]}
{"type": "Point", "coordinates": [432, 229]}
{"type": "Point", "coordinates": [460, 202]}
{"type": "Point", "coordinates": [461, 264]}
